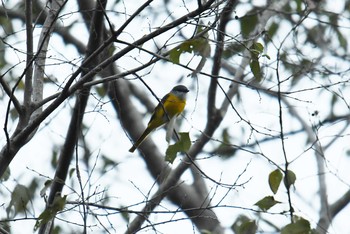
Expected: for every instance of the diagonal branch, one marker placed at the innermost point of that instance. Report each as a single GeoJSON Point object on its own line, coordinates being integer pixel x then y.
{"type": "Point", "coordinates": [333, 209]}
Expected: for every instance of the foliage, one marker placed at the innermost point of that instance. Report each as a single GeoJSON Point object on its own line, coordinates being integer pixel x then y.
{"type": "Point", "coordinates": [182, 145]}
{"type": "Point", "coordinates": [268, 102]}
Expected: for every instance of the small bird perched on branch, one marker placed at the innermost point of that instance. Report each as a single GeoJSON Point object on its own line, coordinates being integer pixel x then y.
{"type": "Point", "coordinates": [170, 107]}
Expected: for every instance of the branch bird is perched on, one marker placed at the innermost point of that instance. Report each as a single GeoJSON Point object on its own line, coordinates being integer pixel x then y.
{"type": "Point", "coordinates": [171, 106]}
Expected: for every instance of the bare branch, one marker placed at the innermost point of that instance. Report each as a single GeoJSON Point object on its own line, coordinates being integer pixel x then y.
{"type": "Point", "coordinates": [29, 72]}
{"type": "Point", "coordinates": [19, 139]}
{"type": "Point", "coordinates": [333, 209]}
{"type": "Point", "coordinates": [74, 129]}
{"type": "Point", "coordinates": [58, 28]}
{"type": "Point", "coordinates": [9, 151]}
{"type": "Point", "coordinates": [225, 17]}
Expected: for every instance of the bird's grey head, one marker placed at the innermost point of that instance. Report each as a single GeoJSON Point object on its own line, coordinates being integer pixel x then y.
{"type": "Point", "coordinates": [180, 91]}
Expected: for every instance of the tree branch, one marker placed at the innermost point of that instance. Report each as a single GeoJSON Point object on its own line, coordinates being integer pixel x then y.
{"type": "Point", "coordinates": [18, 140]}
{"type": "Point", "coordinates": [29, 61]}
{"type": "Point", "coordinates": [225, 17]}
{"type": "Point", "coordinates": [185, 196]}
{"type": "Point", "coordinates": [327, 217]}
{"type": "Point", "coordinates": [58, 27]}
{"type": "Point", "coordinates": [11, 148]}
{"type": "Point", "coordinates": [74, 129]}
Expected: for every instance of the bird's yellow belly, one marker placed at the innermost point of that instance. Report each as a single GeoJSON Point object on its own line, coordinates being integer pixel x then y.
{"type": "Point", "coordinates": [174, 106]}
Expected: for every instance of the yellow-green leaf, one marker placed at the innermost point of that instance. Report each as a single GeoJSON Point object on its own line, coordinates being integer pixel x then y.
{"type": "Point", "coordinates": [225, 149]}
{"type": "Point", "coordinates": [232, 49]}
{"type": "Point", "coordinates": [43, 218]}
{"type": "Point", "coordinates": [174, 55]}
{"type": "Point", "coordinates": [20, 197]}
{"type": "Point", "coordinates": [343, 42]}
{"type": "Point", "coordinates": [266, 203]}
{"type": "Point", "coordinates": [199, 46]}
{"type": "Point", "coordinates": [125, 214]}
{"type": "Point", "coordinates": [258, 47]}
{"type": "Point", "coordinates": [275, 179]}
{"type": "Point", "coordinates": [51, 211]}
{"type": "Point", "coordinates": [255, 68]}
{"type": "Point", "coordinates": [186, 46]}
{"type": "Point", "coordinates": [244, 225]}
{"type": "Point", "coordinates": [101, 91]}
{"type": "Point", "coordinates": [272, 29]}
{"type": "Point", "coordinates": [301, 226]}
{"type": "Point", "coordinates": [181, 146]}
{"type": "Point", "coordinates": [289, 178]}
{"type": "Point", "coordinates": [248, 23]}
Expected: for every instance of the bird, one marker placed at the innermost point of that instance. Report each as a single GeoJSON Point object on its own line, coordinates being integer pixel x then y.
{"type": "Point", "coordinates": [170, 107]}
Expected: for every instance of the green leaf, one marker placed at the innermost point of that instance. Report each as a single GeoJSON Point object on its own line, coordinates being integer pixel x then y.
{"type": "Point", "coordinates": [174, 55]}
{"type": "Point", "coordinates": [266, 56]}
{"type": "Point", "coordinates": [301, 226]}
{"type": "Point", "coordinates": [58, 203]}
{"type": "Point", "coordinates": [299, 5]}
{"type": "Point", "coordinates": [266, 203]}
{"type": "Point", "coordinates": [272, 29]}
{"type": "Point", "coordinates": [20, 197]}
{"type": "Point", "coordinates": [43, 218]}
{"type": "Point", "coordinates": [51, 211]}
{"type": "Point", "coordinates": [255, 51]}
{"type": "Point", "coordinates": [257, 48]}
{"type": "Point", "coordinates": [232, 49]}
{"type": "Point", "coordinates": [125, 214]}
{"type": "Point", "coordinates": [202, 48]}
{"type": "Point", "coordinates": [248, 23]}
{"type": "Point", "coordinates": [225, 149]}
{"type": "Point", "coordinates": [101, 91]}
{"type": "Point", "coordinates": [289, 178]}
{"type": "Point", "coordinates": [6, 25]}
{"type": "Point", "coordinates": [342, 40]}
{"type": "Point", "coordinates": [255, 68]}
{"type": "Point", "coordinates": [54, 158]}
{"type": "Point", "coordinates": [244, 225]}
{"type": "Point", "coordinates": [186, 46]}
{"type": "Point", "coordinates": [181, 146]}
{"type": "Point", "coordinates": [275, 179]}
{"type": "Point", "coordinates": [199, 46]}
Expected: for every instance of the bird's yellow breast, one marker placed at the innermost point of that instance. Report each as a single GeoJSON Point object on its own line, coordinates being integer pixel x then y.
{"type": "Point", "coordinates": [174, 105]}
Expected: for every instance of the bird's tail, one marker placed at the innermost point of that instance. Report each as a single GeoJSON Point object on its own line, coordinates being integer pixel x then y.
{"type": "Point", "coordinates": [141, 139]}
